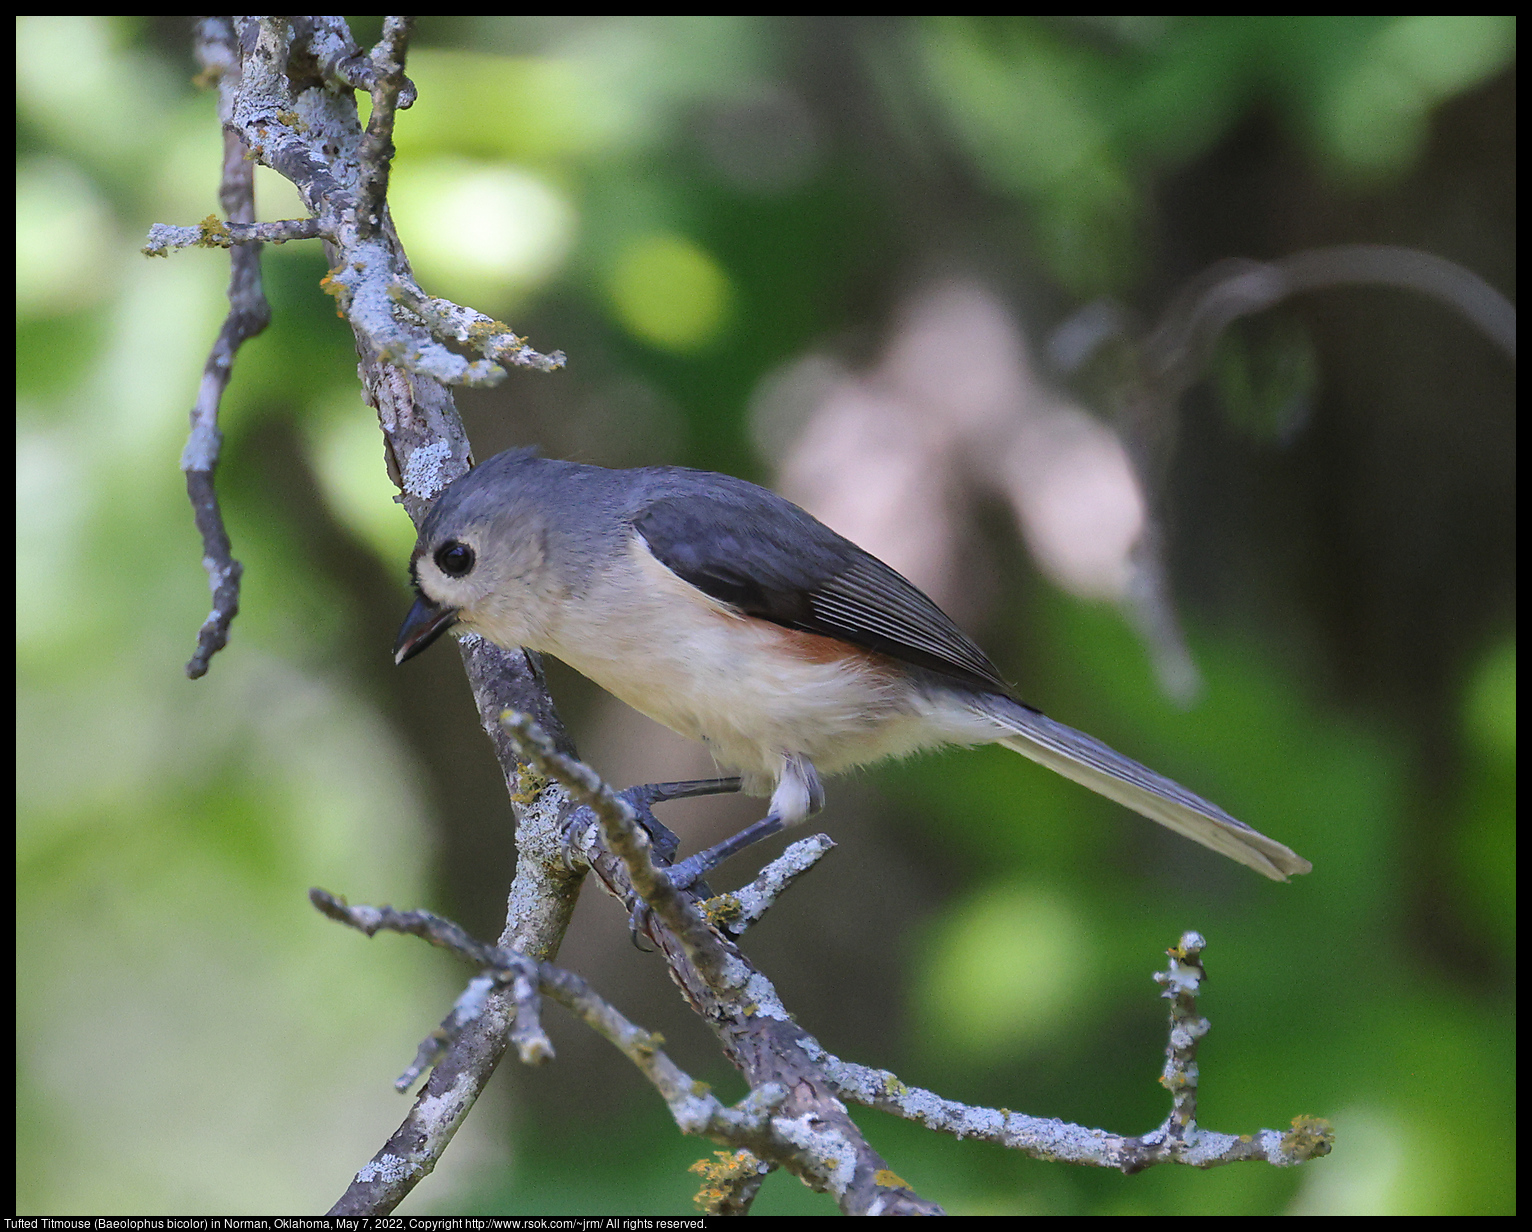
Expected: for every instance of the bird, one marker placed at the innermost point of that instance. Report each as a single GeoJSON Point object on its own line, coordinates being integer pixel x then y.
{"type": "Point", "coordinates": [733, 617]}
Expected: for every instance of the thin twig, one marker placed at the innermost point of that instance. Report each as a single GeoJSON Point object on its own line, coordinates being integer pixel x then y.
{"type": "Point", "coordinates": [376, 154]}
{"type": "Point", "coordinates": [502, 969]}
{"type": "Point", "coordinates": [249, 314]}
{"type": "Point", "coordinates": [753, 1126]}
{"type": "Point", "coordinates": [761, 1129]}
{"type": "Point", "coordinates": [737, 911]}
{"type": "Point", "coordinates": [626, 839]}
{"type": "Point", "coordinates": [1163, 364]}
{"type": "Point", "coordinates": [824, 1147]}
{"type": "Point", "coordinates": [212, 232]}
{"type": "Point", "coordinates": [491, 338]}
{"type": "Point", "coordinates": [1177, 1140]}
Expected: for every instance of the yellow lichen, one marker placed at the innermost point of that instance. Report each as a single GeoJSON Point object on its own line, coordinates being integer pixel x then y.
{"type": "Point", "coordinates": [722, 909]}
{"type": "Point", "coordinates": [720, 1175]}
{"type": "Point", "coordinates": [1310, 1138]}
{"type": "Point", "coordinates": [529, 785]}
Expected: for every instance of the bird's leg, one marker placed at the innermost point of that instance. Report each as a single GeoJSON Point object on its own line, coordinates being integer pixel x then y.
{"type": "Point", "coordinates": [665, 842]}
{"type": "Point", "coordinates": [642, 799]}
{"type": "Point", "coordinates": [798, 795]}
{"type": "Point", "coordinates": [687, 874]}
{"type": "Point", "coordinates": [645, 796]}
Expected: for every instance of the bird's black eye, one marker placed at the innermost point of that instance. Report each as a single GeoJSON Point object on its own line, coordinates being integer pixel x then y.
{"type": "Point", "coordinates": [454, 559]}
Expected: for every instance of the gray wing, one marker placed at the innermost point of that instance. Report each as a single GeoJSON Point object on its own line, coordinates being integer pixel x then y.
{"type": "Point", "coordinates": [767, 558]}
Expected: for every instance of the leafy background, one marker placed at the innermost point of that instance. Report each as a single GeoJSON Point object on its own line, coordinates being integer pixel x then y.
{"type": "Point", "coordinates": [692, 208]}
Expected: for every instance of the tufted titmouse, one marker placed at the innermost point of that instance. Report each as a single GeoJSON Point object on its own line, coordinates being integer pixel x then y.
{"type": "Point", "coordinates": [735, 618]}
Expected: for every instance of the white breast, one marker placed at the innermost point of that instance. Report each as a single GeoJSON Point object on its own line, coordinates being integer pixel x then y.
{"type": "Point", "coordinates": [744, 686]}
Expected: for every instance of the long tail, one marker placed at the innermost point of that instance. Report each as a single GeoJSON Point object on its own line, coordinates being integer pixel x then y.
{"type": "Point", "coordinates": [1086, 760]}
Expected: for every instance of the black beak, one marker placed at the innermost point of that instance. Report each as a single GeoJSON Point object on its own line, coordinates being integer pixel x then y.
{"type": "Point", "coordinates": [426, 622]}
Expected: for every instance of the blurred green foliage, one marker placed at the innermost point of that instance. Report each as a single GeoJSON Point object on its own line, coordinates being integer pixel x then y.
{"type": "Point", "coordinates": [684, 205]}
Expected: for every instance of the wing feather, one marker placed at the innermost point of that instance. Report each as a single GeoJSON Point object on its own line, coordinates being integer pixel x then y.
{"type": "Point", "coordinates": [769, 559]}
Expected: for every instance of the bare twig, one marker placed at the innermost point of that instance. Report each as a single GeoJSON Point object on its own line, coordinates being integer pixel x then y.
{"type": "Point", "coordinates": [376, 154]}
{"type": "Point", "coordinates": [276, 106]}
{"type": "Point", "coordinates": [502, 969]}
{"type": "Point", "coordinates": [1179, 346]}
{"type": "Point", "coordinates": [737, 911]}
{"type": "Point", "coordinates": [755, 1126]}
{"type": "Point", "coordinates": [489, 337]}
{"type": "Point", "coordinates": [1176, 350]}
{"type": "Point", "coordinates": [626, 839]}
{"type": "Point", "coordinates": [282, 74]}
{"type": "Point", "coordinates": [341, 60]}
{"type": "Point", "coordinates": [249, 314]}
{"type": "Point", "coordinates": [211, 232]}
{"type": "Point", "coordinates": [812, 1135]}
{"type": "Point", "coordinates": [1176, 1140]}
{"type": "Point", "coordinates": [280, 77]}
{"type": "Point", "coordinates": [762, 1127]}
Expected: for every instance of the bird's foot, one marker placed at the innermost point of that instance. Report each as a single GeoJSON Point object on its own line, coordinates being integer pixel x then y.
{"type": "Point", "coordinates": [642, 800]}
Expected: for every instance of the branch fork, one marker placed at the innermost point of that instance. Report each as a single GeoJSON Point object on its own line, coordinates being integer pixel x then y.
{"type": "Point", "coordinates": [794, 1116]}
{"type": "Point", "coordinates": [285, 99]}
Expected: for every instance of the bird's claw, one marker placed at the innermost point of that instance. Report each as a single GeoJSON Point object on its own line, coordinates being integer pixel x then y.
{"type": "Point", "coordinates": [664, 842]}
{"type": "Point", "coordinates": [642, 799]}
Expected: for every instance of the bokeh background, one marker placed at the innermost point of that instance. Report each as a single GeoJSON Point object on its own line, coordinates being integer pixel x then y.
{"type": "Point", "coordinates": [831, 255]}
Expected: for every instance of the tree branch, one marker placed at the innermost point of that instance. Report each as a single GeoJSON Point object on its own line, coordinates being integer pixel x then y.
{"type": "Point", "coordinates": [1176, 1140]}
{"type": "Point", "coordinates": [249, 314]}
{"type": "Point", "coordinates": [286, 96]}
{"type": "Point", "coordinates": [812, 1135]}
{"type": "Point", "coordinates": [784, 1121]}
{"type": "Point", "coordinates": [288, 88]}
{"type": "Point", "coordinates": [285, 100]}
